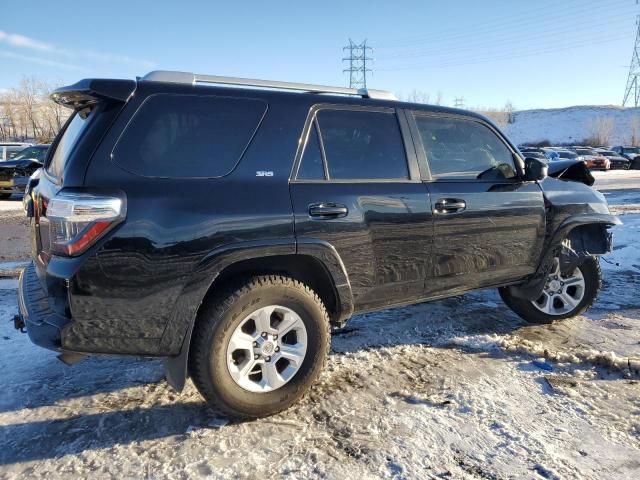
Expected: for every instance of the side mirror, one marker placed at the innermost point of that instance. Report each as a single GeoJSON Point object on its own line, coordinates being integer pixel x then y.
{"type": "Point", "coordinates": [535, 169]}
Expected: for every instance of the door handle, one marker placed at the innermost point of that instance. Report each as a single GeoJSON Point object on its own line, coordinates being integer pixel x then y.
{"type": "Point", "coordinates": [327, 210]}
{"type": "Point", "coordinates": [449, 205]}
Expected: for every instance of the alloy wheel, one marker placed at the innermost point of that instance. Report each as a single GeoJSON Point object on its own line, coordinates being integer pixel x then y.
{"type": "Point", "coordinates": [561, 294]}
{"type": "Point", "coordinates": [267, 349]}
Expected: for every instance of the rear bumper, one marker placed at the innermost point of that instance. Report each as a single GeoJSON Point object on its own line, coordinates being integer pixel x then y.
{"type": "Point", "coordinates": [43, 325]}
{"type": "Point", "coordinates": [619, 165]}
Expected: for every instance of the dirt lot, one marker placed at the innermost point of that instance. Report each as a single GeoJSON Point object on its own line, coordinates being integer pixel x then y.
{"type": "Point", "coordinates": [459, 388]}
{"type": "Point", "coordinates": [14, 231]}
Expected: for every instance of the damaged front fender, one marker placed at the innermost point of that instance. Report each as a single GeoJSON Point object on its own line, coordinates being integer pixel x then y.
{"type": "Point", "coordinates": [578, 237]}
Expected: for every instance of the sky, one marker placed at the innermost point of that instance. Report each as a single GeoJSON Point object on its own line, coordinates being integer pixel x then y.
{"type": "Point", "coordinates": [542, 54]}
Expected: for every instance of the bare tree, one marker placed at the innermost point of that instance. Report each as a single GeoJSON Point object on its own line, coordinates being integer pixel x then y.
{"type": "Point", "coordinates": [417, 96]}
{"type": "Point", "coordinates": [27, 112]}
{"type": "Point", "coordinates": [509, 111]}
{"type": "Point", "coordinates": [600, 130]}
{"type": "Point", "coordinates": [634, 126]}
{"type": "Point", "coordinates": [499, 116]}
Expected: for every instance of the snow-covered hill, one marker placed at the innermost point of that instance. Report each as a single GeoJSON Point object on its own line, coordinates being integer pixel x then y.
{"type": "Point", "coordinates": [574, 124]}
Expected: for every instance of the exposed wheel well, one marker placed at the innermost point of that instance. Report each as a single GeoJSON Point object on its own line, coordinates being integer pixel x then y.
{"type": "Point", "coordinates": [304, 268]}
{"type": "Point", "coordinates": [590, 239]}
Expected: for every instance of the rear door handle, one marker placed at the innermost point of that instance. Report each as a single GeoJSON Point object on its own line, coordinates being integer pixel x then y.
{"type": "Point", "coordinates": [327, 210]}
{"type": "Point", "coordinates": [445, 206]}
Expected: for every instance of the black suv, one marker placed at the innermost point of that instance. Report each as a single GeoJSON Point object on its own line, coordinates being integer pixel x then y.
{"type": "Point", "coordinates": [228, 224]}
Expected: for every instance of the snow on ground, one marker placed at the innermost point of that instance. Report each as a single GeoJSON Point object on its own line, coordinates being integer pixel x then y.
{"type": "Point", "coordinates": [572, 124]}
{"type": "Point", "coordinates": [459, 388]}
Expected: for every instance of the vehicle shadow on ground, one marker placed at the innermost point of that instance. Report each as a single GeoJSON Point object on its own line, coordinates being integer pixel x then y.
{"type": "Point", "coordinates": [130, 417]}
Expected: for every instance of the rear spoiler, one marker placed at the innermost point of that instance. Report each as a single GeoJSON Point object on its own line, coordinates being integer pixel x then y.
{"type": "Point", "coordinates": [92, 90]}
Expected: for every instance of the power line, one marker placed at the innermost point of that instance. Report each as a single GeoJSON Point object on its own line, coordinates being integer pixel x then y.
{"type": "Point", "coordinates": [458, 102]}
{"type": "Point", "coordinates": [535, 20]}
{"type": "Point", "coordinates": [357, 63]}
{"type": "Point", "coordinates": [518, 53]}
{"type": "Point", "coordinates": [510, 39]}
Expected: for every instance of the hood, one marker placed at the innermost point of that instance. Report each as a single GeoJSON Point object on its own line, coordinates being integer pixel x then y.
{"type": "Point", "coordinates": [18, 168]}
{"type": "Point", "coordinates": [569, 169]}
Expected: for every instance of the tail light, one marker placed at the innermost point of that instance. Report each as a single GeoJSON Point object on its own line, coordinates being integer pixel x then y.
{"type": "Point", "coordinates": [79, 220]}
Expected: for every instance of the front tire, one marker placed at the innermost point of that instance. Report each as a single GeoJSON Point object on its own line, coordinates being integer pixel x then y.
{"type": "Point", "coordinates": [563, 296]}
{"type": "Point", "coordinates": [258, 348]}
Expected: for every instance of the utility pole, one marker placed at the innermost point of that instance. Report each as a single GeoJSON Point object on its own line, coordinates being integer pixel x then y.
{"type": "Point", "coordinates": [357, 63]}
{"type": "Point", "coordinates": [459, 102]}
{"type": "Point", "coordinates": [632, 90]}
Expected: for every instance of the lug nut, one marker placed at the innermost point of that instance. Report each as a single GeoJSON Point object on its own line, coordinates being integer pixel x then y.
{"type": "Point", "coordinates": [267, 359]}
{"type": "Point", "coordinates": [275, 337]}
{"type": "Point", "coordinates": [264, 334]}
{"type": "Point", "coordinates": [256, 356]}
{"type": "Point", "coordinates": [255, 344]}
{"type": "Point", "coordinates": [277, 349]}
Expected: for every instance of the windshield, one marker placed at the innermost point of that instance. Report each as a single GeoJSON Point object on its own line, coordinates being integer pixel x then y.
{"type": "Point", "coordinates": [567, 154]}
{"type": "Point", "coordinates": [67, 142]}
{"type": "Point", "coordinates": [632, 150]}
{"type": "Point", "coordinates": [36, 153]}
{"type": "Point", "coordinates": [584, 151]}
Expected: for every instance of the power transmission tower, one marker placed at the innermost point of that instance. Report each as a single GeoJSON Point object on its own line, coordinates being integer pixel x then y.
{"type": "Point", "coordinates": [459, 102]}
{"type": "Point", "coordinates": [357, 64]}
{"type": "Point", "coordinates": [633, 86]}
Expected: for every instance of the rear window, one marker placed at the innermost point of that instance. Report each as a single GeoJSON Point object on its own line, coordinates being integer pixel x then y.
{"type": "Point", "coordinates": [188, 135]}
{"type": "Point", "coordinates": [68, 140]}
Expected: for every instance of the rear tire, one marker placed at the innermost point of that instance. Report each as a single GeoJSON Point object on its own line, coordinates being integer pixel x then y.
{"type": "Point", "coordinates": [588, 272]}
{"type": "Point", "coordinates": [230, 362]}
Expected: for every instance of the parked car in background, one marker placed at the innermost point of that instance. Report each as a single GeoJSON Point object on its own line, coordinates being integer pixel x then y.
{"type": "Point", "coordinates": [542, 153]}
{"type": "Point", "coordinates": [630, 153]}
{"type": "Point", "coordinates": [551, 154]}
{"type": "Point", "coordinates": [15, 173]}
{"type": "Point", "coordinates": [535, 154]}
{"type": "Point", "coordinates": [34, 152]}
{"type": "Point", "coordinates": [617, 161]}
{"type": "Point", "coordinates": [594, 160]}
{"type": "Point", "coordinates": [568, 154]}
{"type": "Point", "coordinates": [8, 150]}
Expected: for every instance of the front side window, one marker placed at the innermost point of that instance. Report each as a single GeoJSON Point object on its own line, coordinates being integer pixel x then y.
{"type": "Point", "coordinates": [463, 149]}
{"type": "Point", "coordinates": [362, 145]}
{"type": "Point", "coordinates": [188, 136]}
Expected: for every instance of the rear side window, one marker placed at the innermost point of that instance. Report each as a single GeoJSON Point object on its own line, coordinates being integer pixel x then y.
{"type": "Point", "coordinates": [66, 143]}
{"type": "Point", "coordinates": [464, 149]}
{"type": "Point", "coordinates": [362, 145]}
{"type": "Point", "coordinates": [188, 135]}
{"type": "Point", "coordinates": [312, 166]}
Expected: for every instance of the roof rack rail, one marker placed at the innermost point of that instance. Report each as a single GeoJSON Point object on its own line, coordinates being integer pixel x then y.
{"type": "Point", "coordinates": [193, 79]}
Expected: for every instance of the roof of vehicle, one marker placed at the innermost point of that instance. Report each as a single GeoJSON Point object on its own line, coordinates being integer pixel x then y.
{"type": "Point", "coordinates": [275, 87]}
{"type": "Point", "coordinates": [90, 90]}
